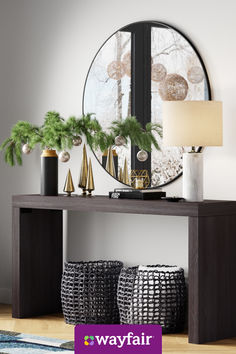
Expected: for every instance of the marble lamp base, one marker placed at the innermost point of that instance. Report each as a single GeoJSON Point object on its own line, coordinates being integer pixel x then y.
{"type": "Point", "coordinates": [193, 176]}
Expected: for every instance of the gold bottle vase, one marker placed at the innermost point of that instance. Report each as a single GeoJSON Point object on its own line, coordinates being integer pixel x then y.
{"type": "Point", "coordinates": [49, 173]}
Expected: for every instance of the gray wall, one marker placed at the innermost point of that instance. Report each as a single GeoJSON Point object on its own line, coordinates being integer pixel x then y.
{"type": "Point", "coordinates": [46, 48]}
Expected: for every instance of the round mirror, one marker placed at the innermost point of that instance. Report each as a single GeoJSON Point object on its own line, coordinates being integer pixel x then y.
{"type": "Point", "coordinates": [135, 70]}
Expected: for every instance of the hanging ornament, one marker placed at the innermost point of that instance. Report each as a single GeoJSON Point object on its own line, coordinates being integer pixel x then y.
{"type": "Point", "coordinates": [119, 140]}
{"type": "Point", "coordinates": [173, 88]}
{"type": "Point", "coordinates": [26, 149]}
{"type": "Point", "coordinates": [142, 155]}
{"type": "Point", "coordinates": [195, 74]}
{"type": "Point", "coordinates": [77, 141]}
{"type": "Point", "coordinates": [158, 72]}
{"type": "Point", "coordinates": [116, 70]}
{"type": "Point", "coordinates": [64, 156]}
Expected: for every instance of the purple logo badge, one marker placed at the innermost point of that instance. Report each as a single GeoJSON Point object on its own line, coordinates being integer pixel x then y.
{"type": "Point", "coordinates": [118, 338]}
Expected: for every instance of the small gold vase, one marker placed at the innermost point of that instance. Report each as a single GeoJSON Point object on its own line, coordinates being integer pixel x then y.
{"type": "Point", "coordinates": [90, 181]}
{"type": "Point", "coordinates": [83, 172]}
{"type": "Point", "coordinates": [69, 185]}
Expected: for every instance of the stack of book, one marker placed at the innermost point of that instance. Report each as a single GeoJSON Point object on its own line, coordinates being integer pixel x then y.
{"type": "Point", "coordinates": [143, 194]}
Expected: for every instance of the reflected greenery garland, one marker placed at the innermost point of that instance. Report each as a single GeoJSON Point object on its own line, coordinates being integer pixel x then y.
{"type": "Point", "coordinates": [58, 133]}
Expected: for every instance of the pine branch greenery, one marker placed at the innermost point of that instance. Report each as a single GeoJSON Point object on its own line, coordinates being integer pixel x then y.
{"type": "Point", "coordinates": [58, 133]}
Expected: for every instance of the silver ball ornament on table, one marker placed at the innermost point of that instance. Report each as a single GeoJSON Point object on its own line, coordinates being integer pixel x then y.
{"type": "Point", "coordinates": [120, 140]}
{"type": "Point", "coordinates": [142, 155]}
{"type": "Point", "coordinates": [64, 156]}
{"type": "Point", "coordinates": [77, 141]}
{"type": "Point", "coordinates": [26, 149]}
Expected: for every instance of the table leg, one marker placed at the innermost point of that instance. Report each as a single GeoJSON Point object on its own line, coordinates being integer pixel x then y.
{"type": "Point", "coordinates": [212, 278]}
{"type": "Point", "coordinates": [37, 262]}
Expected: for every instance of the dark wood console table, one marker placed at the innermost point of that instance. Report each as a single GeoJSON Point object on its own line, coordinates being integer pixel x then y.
{"type": "Point", "coordinates": [37, 256]}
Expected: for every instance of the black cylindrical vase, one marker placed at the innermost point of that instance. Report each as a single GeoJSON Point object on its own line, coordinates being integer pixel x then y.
{"type": "Point", "coordinates": [49, 173]}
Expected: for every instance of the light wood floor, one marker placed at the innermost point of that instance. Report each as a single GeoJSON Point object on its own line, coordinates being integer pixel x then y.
{"type": "Point", "coordinates": [55, 327]}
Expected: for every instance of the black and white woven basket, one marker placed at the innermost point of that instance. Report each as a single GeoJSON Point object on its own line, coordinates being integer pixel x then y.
{"type": "Point", "coordinates": [156, 295]}
{"type": "Point", "coordinates": [89, 292]}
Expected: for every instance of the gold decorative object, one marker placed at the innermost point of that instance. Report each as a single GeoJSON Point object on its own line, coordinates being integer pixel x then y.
{"type": "Point", "coordinates": [116, 70]}
{"type": "Point", "coordinates": [173, 88]}
{"type": "Point", "coordinates": [195, 74]}
{"type": "Point", "coordinates": [139, 179]}
{"type": "Point", "coordinates": [90, 182]}
{"type": "Point", "coordinates": [125, 173]}
{"type": "Point", "coordinates": [110, 166]}
{"type": "Point", "coordinates": [69, 186]}
{"type": "Point", "coordinates": [158, 72]}
{"type": "Point", "coordinates": [84, 171]}
{"type": "Point", "coordinates": [120, 175]}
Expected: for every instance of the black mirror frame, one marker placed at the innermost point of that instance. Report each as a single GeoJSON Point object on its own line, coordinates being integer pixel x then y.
{"type": "Point", "coordinates": [154, 23]}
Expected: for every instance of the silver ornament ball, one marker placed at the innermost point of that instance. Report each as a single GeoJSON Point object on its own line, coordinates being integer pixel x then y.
{"type": "Point", "coordinates": [26, 149]}
{"type": "Point", "coordinates": [120, 140]}
{"type": "Point", "coordinates": [77, 141]}
{"type": "Point", "coordinates": [64, 156]}
{"type": "Point", "coordinates": [142, 155]}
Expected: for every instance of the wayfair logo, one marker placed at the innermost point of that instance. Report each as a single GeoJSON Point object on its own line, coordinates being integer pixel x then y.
{"type": "Point", "coordinates": [88, 340]}
{"type": "Point", "coordinates": [119, 341]}
{"type": "Point", "coordinates": [115, 339]}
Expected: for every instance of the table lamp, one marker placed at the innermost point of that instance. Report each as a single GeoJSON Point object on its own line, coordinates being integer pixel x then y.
{"type": "Point", "coordinates": [194, 124]}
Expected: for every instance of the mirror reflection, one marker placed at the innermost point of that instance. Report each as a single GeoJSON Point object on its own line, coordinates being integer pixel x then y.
{"type": "Point", "coordinates": [134, 71]}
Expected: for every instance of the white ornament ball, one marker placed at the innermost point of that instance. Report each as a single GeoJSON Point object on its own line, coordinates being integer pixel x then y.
{"type": "Point", "coordinates": [120, 140]}
{"type": "Point", "coordinates": [77, 141]}
{"type": "Point", "coordinates": [64, 156]}
{"type": "Point", "coordinates": [26, 149]}
{"type": "Point", "coordinates": [142, 155]}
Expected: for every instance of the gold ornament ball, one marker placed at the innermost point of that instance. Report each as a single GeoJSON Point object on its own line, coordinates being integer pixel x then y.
{"type": "Point", "coordinates": [64, 156]}
{"type": "Point", "coordinates": [173, 88]}
{"type": "Point", "coordinates": [77, 141]}
{"type": "Point", "coordinates": [142, 155]}
{"type": "Point", "coordinates": [26, 149]}
{"type": "Point", "coordinates": [195, 75]}
{"type": "Point", "coordinates": [120, 140]}
{"type": "Point", "coordinates": [116, 70]}
{"type": "Point", "coordinates": [158, 72]}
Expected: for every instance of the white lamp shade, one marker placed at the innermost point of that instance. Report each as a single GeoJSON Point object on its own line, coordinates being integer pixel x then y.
{"type": "Point", "coordinates": [192, 123]}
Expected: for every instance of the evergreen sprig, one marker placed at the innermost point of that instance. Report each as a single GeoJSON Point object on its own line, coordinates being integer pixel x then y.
{"type": "Point", "coordinates": [57, 133]}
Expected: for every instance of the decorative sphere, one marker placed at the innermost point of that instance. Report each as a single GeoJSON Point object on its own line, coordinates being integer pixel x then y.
{"type": "Point", "coordinates": [195, 75]}
{"type": "Point", "coordinates": [173, 88]}
{"type": "Point", "coordinates": [119, 140]}
{"type": "Point", "coordinates": [142, 155]}
{"type": "Point", "coordinates": [26, 149]}
{"type": "Point", "coordinates": [116, 70]}
{"type": "Point", "coordinates": [64, 156]}
{"type": "Point", "coordinates": [159, 72]}
{"type": "Point", "coordinates": [77, 141]}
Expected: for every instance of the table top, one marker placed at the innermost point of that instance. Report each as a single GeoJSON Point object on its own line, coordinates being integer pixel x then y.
{"type": "Point", "coordinates": [131, 206]}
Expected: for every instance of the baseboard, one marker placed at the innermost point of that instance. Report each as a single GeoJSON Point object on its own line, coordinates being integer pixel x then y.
{"type": "Point", "coordinates": [5, 296]}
